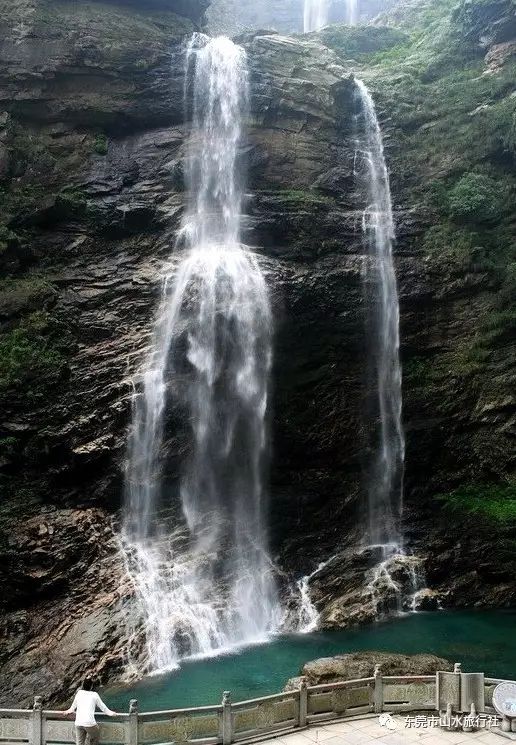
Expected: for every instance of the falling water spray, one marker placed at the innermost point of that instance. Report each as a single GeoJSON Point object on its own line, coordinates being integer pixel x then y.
{"type": "Point", "coordinates": [203, 575]}
{"type": "Point", "coordinates": [385, 493]}
{"type": "Point", "coordinates": [315, 15]}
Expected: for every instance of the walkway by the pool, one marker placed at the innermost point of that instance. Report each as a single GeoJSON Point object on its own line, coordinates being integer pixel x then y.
{"type": "Point", "coordinates": [370, 732]}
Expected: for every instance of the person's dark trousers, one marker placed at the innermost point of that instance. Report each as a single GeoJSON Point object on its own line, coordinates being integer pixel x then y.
{"type": "Point", "coordinates": [87, 735]}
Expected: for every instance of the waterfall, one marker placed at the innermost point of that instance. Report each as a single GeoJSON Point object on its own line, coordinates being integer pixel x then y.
{"type": "Point", "coordinates": [307, 617]}
{"type": "Point", "coordinates": [202, 572]}
{"type": "Point", "coordinates": [315, 15]}
{"type": "Point", "coordinates": [386, 485]}
{"type": "Point", "coordinates": [386, 478]}
{"type": "Point", "coordinates": [351, 12]}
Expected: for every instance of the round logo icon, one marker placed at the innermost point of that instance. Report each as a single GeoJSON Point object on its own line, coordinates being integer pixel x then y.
{"type": "Point", "coordinates": [504, 699]}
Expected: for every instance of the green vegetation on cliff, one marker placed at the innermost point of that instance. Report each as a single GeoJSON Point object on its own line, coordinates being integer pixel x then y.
{"type": "Point", "coordinates": [494, 502]}
{"type": "Point", "coordinates": [32, 356]}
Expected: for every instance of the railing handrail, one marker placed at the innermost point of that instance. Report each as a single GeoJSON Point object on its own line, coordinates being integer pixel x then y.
{"type": "Point", "coordinates": [59, 714]}
{"type": "Point", "coordinates": [341, 684]}
{"type": "Point", "coordinates": [179, 712]}
{"type": "Point", "coordinates": [15, 712]}
{"type": "Point", "coordinates": [491, 681]}
{"type": "Point", "coordinates": [410, 678]}
{"type": "Point", "coordinates": [269, 697]}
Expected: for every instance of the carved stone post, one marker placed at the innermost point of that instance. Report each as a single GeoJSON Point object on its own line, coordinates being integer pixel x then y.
{"type": "Point", "coordinates": [131, 733]}
{"type": "Point", "coordinates": [37, 722]}
{"type": "Point", "coordinates": [449, 715]}
{"type": "Point", "coordinates": [468, 725]}
{"type": "Point", "coordinates": [303, 703]}
{"type": "Point", "coordinates": [457, 669]}
{"type": "Point", "coordinates": [378, 690]}
{"type": "Point", "coordinates": [227, 721]}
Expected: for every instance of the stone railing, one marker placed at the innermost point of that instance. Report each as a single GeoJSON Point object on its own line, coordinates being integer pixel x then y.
{"type": "Point", "coordinates": [231, 722]}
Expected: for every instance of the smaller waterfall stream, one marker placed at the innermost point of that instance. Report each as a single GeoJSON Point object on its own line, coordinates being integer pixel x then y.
{"type": "Point", "coordinates": [394, 578]}
{"type": "Point", "coordinates": [386, 483]}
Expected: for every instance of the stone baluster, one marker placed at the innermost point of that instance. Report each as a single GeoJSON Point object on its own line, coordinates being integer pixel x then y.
{"type": "Point", "coordinates": [37, 722]}
{"type": "Point", "coordinates": [378, 689]}
{"type": "Point", "coordinates": [131, 735]}
{"type": "Point", "coordinates": [303, 703]}
{"type": "Point", "coordinates": [227, 719]}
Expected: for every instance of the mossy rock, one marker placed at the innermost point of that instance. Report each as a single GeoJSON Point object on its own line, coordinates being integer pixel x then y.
{"type": "Point", "coordinates": [478, 198]}
{"type": "Point", "coordinates": [33, 356]}
{"type": "Point", "coordinates": [493, 502]}
{"type": "Point", "coordinates": [361, 42]}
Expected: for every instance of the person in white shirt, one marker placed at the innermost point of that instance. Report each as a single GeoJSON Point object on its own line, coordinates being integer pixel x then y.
{"type": "Point", "coordinates": [84, 704]}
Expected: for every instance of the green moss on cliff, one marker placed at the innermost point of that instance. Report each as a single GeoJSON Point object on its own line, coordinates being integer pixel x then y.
{"type": "Point", "coordinates": [32, 355]}
{"type": "Point", "coordinates": [362, 42]}
{"type": "Point", "coordinates": [299, 199]}
{"type": "Point", "coordinates": [478, 198]}
{"type": "Point", "coordinates": [26, 293]}
{"type": "Point", "coordinates": [445, 242]}
{"type": "Point", "coordinates": [8, 238]}
{"type": "Point", "coordinates": [494, 502]}
{"type": "Point", "coordinates": [452, 138]}
{"type": "Point", "coordinates": [100, 145]}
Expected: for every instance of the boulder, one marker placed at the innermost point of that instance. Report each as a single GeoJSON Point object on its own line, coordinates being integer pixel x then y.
{"type": "Point", "coordinates": [362, 665]}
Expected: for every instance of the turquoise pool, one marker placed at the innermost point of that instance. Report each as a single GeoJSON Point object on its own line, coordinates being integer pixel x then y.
{"type": "Point", "coordinates": [481, 640]}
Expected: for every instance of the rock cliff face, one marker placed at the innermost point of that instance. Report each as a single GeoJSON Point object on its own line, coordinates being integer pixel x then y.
{"type": "Point", "coordinates": [91, 151]}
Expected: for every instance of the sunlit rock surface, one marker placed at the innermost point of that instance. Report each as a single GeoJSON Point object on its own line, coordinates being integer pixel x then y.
{"type": "Point", "coordinates": [363, 664]}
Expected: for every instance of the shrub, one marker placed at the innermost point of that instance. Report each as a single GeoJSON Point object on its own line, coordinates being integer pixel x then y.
{"type": "Point", "coordinates": [495, 502]}
{"type": "Point", "coordinates": [7, 238]}
{"type": "Point", "coordinates": [101, 144]}
{"type": "Point", "coordinates": [7, 446]}
{"type": "Point", "coordinates": [360, 42]}
{"type": "Point", "coordinates": [477, 198]}
{"type": "Point", "coordinates": [448, 245]}
{"type": "Point", "coordinates": [28, 354]}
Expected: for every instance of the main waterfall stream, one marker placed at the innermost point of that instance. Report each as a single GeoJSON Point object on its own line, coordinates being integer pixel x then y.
{"type": "Point", "coordinates": [316, 14]}
{"type": "Point", "coordinates": [202, 572]}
